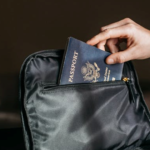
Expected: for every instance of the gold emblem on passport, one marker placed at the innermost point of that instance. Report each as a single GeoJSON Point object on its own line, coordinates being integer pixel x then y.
{"type": "Point", "coordinates": [90, 72]}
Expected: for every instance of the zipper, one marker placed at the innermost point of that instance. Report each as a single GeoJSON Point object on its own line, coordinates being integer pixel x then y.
{"type": "Point", "coordinates": [54, 85]}
{"type": "Point", "coordinates": [127, 81]}
{"type": "Point", "coordinates": [130, 87]}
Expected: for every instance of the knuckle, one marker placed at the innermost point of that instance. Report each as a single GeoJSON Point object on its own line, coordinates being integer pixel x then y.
{"type": "Point", "coordinates": [128, 20]}
{"type": "Point", "coordinates": [130, 28]}
{"type": "Point", "coordinates": [108, 33]}
{"type": "Point", "coordinates": [130, 25]}
{"type": "Point", "coordinates": [120, 59]}
{"type": "Point", "coordinates": [102, 28]}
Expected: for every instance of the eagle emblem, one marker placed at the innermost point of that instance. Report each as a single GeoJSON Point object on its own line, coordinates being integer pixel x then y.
{"type": "Point", "coordinates": [90, 72]}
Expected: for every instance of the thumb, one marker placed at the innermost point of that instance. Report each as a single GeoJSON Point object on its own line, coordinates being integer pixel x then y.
{"type": "Point", "coordinates": [119, 57]}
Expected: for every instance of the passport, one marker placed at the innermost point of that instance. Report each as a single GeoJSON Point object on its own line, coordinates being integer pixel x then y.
{"type": "Point", "coordinates": [83, 63]}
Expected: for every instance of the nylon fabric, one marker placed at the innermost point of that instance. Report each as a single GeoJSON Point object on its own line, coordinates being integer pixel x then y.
{"type": "Point", "coordinates": [95, 116]}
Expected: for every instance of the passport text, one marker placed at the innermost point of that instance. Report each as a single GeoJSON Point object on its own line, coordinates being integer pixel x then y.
{"type": "Point", "coordinates": [72, 69]}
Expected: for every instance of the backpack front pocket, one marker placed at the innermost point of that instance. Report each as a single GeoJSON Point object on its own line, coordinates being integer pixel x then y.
{"type": "Point", "coordinates": [96, 116]}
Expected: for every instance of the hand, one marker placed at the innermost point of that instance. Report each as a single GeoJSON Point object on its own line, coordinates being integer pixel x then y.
{"type": "Point", "coordinates": [137, 37]}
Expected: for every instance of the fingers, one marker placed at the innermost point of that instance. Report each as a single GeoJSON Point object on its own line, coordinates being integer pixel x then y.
{"type": "Point", "coordinates": [117, 24]}
{"type": "Point", "coordinates": [112, 35]}
{"type": "Point", "coordinates": [118, 32]}
{"type": "Point", "coordinates": [113, 45]}
{"type": "Point", "coordinates": [110, 26]}
{"type": "Point", "coordinates": [121, 57]}
{"type": "Point", "coordinates": [101, 45]}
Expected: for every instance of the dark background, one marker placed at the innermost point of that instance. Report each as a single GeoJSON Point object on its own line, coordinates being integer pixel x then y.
{"type": "Point", "coordinates": [27, 26]}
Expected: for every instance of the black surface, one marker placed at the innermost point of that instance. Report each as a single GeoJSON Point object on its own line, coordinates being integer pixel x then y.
{"type": "Point", "coordinates": [11, 139]}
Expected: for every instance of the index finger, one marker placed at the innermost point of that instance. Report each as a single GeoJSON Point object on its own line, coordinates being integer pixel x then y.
{"type": "Point", "coordinates": [118, 23]}
{"type": "Point", "coordinates": [118, 32]}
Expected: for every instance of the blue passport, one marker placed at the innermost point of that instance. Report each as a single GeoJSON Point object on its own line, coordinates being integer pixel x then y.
{"type": "Point", "coordinates": [83, 63]}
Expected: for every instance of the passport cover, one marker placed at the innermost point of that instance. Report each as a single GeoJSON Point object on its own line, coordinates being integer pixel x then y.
{"type": "Point", "coordinates": [83, 63]}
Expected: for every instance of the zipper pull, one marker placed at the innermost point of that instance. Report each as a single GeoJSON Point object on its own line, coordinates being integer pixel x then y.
{"type": "Point", "coordinates": [131, 90]}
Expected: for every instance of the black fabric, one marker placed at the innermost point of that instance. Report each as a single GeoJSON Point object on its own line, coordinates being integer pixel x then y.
{"type": "Point", "coordinates": [93, 116]}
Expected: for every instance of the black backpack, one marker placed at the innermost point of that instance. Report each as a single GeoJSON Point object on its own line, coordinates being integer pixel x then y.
{"type": "Point", "coordinates": [92, 116]}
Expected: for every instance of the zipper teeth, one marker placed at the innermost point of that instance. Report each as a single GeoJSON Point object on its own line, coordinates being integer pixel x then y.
{"type": "Point", "coordinates": [50, 85]}
{"type": "Point", "coordinates": [100, 84]}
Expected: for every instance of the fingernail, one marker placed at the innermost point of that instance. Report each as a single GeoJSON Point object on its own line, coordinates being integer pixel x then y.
{"type": "Point", "coordinates": [110, 61]}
